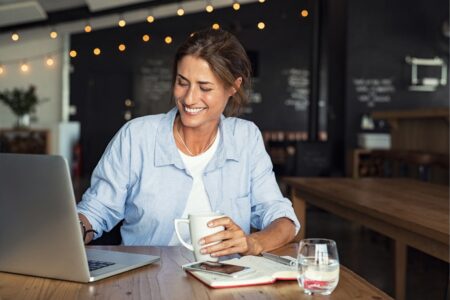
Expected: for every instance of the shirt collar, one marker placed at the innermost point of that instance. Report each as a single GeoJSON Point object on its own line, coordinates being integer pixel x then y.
{"type": "Point", "coordinates": [166, 152]}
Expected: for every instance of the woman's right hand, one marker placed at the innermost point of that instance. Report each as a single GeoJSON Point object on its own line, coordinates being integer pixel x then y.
{"type": "Point", "coordinates": [232, 240]}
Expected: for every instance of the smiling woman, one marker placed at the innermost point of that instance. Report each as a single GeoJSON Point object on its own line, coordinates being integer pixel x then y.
{"type": "Point", "coordinates": [201, 99]}
{"type": "Point", "coordinates": [193, 159]}
{"type": "Point", "coordinates": [226, 59]}
{"type": "Point", "coordinates": [211, 76]}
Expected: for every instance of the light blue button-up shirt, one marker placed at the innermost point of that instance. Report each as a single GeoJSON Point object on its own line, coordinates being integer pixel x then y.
{"type": "Point", "coordinates": [141, 179]}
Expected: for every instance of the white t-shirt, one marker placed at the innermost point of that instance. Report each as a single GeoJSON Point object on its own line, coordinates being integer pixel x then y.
{"type": "Point", "coordinates": [198, 200]}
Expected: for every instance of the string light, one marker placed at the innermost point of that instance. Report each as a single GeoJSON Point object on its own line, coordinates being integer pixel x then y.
{"type": "Point", "coordinates": [122, 21]}
{"type": "Point", "coordinates": [168, 39]}
{"type": "Point", "coordinates": [88, 27]}
{"type": "Point", "coordinates": [49, 61]}
{"type": "Point", "coordinates": [304, 13]}
{"type": "Point", "coordinates": [150, 17]}
{"type": "Point", "coordinates": [15, 36]}
{"type": "Point", "coordinates": [209, 8]}
{"type": "Point", "coordinates": [146, 38]}
{"type": "Point", "coordinates": [53, 34]}
{"type": "Point", "coordinates": [24, 67]}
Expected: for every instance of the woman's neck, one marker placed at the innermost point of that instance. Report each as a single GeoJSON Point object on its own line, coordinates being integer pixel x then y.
{"type": "Point", "coordinates": [194, 141]}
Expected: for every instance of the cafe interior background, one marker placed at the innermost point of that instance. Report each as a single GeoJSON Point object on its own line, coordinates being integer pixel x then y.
{"type": "Point", "coordinates": [329, 78]}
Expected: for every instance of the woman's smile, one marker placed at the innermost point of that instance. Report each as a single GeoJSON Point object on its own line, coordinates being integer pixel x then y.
{"type": "Point", "coordinates": [200, 95]}
{"type": "Point", "coordinates": [193, 110]}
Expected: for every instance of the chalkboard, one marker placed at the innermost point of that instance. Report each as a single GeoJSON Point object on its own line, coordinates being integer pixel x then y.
{"type": "Point", "coordinates": [255, 98]}
{"type": "Point", "coordinates": [377, 75]}
{"type": "Point", "coordinates": [313, 159]}
{"type": "Point", "coordinates": [152, 87]}
{"type": "Point", "coordinates": [297, 88]}
{"type": "Point", "coordinates": [373, 90]}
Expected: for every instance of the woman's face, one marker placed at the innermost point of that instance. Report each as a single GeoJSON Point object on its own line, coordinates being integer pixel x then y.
{"type": "Point", "coordinates": [199, 94]}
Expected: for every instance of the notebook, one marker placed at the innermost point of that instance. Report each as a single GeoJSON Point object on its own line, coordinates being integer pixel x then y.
{"type": "Point", "coordinates": [266, 272]}
{"type": "Point", "coordinates": [40, 233]}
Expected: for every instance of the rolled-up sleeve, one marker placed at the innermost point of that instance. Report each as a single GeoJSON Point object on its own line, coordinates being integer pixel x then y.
{"type": "Point", "coordinates": [268, 204]}
{"type": "Point", "coordinates": [103, 204]}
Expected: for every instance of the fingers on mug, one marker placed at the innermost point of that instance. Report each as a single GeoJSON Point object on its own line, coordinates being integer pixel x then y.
{"type": "Point", "coordinates": [198, 229]}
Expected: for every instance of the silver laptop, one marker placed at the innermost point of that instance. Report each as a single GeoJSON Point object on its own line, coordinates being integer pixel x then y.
{"type": "Point", "coordinates": [40, 233]}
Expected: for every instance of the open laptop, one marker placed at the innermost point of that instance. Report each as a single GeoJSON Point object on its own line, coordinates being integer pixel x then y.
{"type": "Point", "coordinates": [40, 233]}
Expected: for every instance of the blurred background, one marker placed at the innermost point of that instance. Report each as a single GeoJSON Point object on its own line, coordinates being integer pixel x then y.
{"type": "Point", "coordinates": [340, 88]}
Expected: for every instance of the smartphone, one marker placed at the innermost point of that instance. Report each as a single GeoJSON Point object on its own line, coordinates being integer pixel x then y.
{"type": "Point", "coordinates": [219, 268]}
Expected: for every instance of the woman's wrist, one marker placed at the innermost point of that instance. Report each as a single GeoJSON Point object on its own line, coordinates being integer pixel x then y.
{"type": "Point", "coordinates": [254, 246]}
{"type": "Point", "coordinates": [278, 233]}
{"type": "Point", "coordinates": [87, 232]}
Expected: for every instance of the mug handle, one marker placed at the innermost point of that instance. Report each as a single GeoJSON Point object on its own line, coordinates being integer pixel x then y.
{"type": "Point", "coordinates": [176, 222]}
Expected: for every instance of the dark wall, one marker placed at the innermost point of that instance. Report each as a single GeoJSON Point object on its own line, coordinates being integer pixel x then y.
{"type": "Point", "coordinates": [381, 33]}
{"type": "Point", "coordinates": [349, 44]}
{"type": "Point", "coordinates": [101, 84]}
{"type": "Point", "coordinates": [333, 63]}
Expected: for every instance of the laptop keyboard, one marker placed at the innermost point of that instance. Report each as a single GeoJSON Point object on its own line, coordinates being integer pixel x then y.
{"type": "Point", "coordinates": [96, 264]}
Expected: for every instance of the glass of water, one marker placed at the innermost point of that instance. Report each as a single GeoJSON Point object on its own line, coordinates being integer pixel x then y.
{"type": "Point", "coordinates": [318, 266]}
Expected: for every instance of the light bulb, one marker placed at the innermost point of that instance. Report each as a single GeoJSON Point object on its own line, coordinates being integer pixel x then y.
{"type": "Point", "coordinates": [73, 53]}
{"type": "Point", "coordinates": [49, 61]}
{"type": "Point", "coordinates": [24, 67]}
{"type": "Point", "coordinates": [15, 37]}
{"type": "Point", "coordinates": [209, 8]}
{"type": "Point", "coordinates": [146, 38]}
{"type": "Point", "coordinates": [122, 22]}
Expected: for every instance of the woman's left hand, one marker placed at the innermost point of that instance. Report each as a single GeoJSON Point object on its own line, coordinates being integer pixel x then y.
{"type": "Point", "coordinates": [232, 240]}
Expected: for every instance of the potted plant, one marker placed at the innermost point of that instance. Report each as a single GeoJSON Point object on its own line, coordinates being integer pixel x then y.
{"type": "Point", "coordinates": [22, 102]}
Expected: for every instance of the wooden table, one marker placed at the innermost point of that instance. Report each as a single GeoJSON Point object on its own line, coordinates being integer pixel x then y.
{"type": "Point", "coordinates": [166, 280]}
{"type": "Point", "coordinates": [411, 212]}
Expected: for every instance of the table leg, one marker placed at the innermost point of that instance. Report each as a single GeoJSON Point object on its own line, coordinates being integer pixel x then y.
{"type": "Point", "coordinates": [299, 205]}
{"type": "Point", "coordinates": [400, 270]}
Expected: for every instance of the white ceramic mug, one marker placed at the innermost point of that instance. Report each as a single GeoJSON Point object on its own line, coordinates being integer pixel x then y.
{"type": "Point", "coordinates": [198, 229]}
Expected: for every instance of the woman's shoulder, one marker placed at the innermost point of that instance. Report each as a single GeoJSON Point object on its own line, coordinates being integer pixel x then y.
{"type": "Point", "coordinates": [239, 126]}
{"type": "Point", "coordinates": [143, 124]}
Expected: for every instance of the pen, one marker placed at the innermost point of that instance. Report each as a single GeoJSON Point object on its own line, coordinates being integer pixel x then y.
{"type": "Point", "coordinates": [280, 259]}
